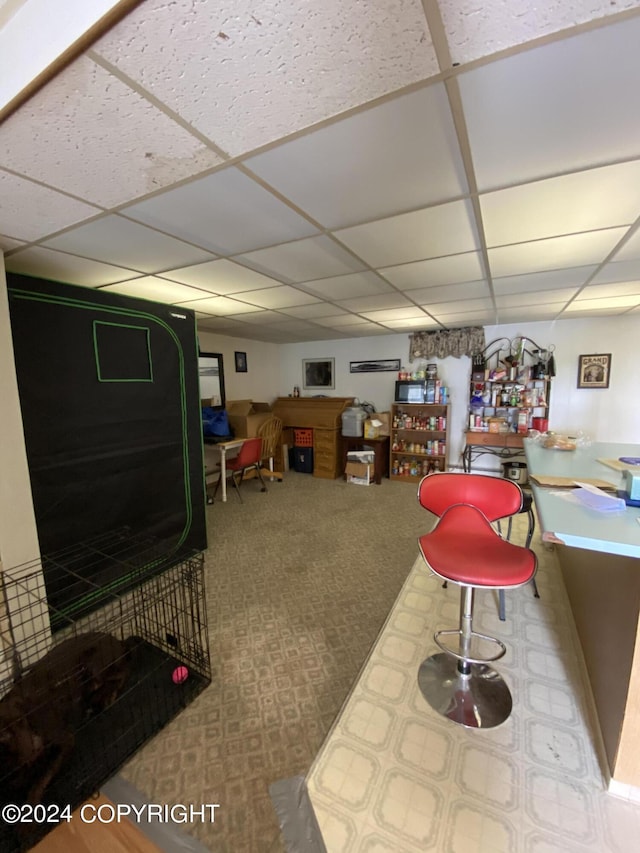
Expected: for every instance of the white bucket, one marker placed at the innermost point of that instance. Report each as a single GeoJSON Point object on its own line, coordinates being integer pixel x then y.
{"type": "Point", "coordinates": [353, 422]}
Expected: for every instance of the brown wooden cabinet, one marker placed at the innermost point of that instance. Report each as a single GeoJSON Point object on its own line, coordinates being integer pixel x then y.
{"type": "Point", "coordinates": [419, 440]}
{"type": "Point", "coordinates": [324, 416]}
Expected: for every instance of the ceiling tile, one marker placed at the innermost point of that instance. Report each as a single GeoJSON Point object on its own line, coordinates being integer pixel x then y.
{"type": "Point", "coordinates": [534, 312]}
{"type": "Point", "coordinates": [259, 317]}
{"type": "Point", "coordinates": [348, 286]}
{"type": "Point", "coordinates": [544, 280]}
{"type": "Point", "coordinates": [294, 326]}
{"type": "Point", "coordinates": [7, 243]}
{"type": "Point", "coordinates": [563, 205]}
{"type": "Point", "coordinates": [629, 300]}
{"type": "Point", "coordinates": [411, 312]}
{"type": "Point", "coordinates": [462, 307]}
{"type": "Point", "coordinates": [624, 288]}
{"type": "Point", "coordinates": [120, 241]}
{"type": "Point", "coordinates": [447, 229]}
{"type": "Point", "coordinates": [303, 260]}
{"type": "Point", "coordinates": [572, 251]}
{"type": "Point", "coordinates": [226, 213]}
{"type": "Point", "coordinates": [542, 297]}
{"type": "Point", "coordinates": [277, 297]}
{"type": "Point", "coordinates": [474, 30]}
{"type": "Point", "coordinates": [58, 266]}
{"type": "Point", "coordinates": [255, 74]}
{"type": "Point", "coordinates": [414, 323]}
{"type": "Point", "coordinates": [409, 144]}
{"type": "Point", "coordinates": [221, 276]}
{"type": "Point", "coordinates": [375, 303]}
{"type": "Point", "coordinates": [631, 249]}
{"type": "Point", "coordinates": [618, 271]}
{"type": "Point", "coordinates": [471, 318]}
{"type": "Point", "coordinates": [344, 320]}
{"type": "Point", "coordinates": [534, 114]}
{"type": "Point", "coordinates": [30, 211]}
{"type": "Point", "coordinates": [450, 270]}
{"type": "Point", "coordinates": [319, 309]}
{"type": "Point", "coordinates": [220, 305]}
{"type": "Point", "coordinates": [468, 290]}
{"type": "Point", "coordinates": [157, 289]}
{"type": "Point", "coordinates": [595, 308]}
{"type": "Point", "coordinates": [363, 330]}
{"type": "Point", "coordinates": [53, 138]}
{"type": "Point", "coordinates": [224, 325]}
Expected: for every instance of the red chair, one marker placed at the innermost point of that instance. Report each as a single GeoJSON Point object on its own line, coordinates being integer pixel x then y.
{"type": "Point", "coordinates": [463, 548]}
{"type": "Point", "coordinates": [247, 459]}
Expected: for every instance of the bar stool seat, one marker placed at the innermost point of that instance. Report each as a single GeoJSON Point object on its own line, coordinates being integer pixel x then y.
{"type": "Point", "coordinates": [465, 549]}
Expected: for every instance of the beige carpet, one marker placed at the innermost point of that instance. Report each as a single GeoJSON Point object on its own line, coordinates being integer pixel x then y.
{"type": "Point", "coordinates": [299, 582]}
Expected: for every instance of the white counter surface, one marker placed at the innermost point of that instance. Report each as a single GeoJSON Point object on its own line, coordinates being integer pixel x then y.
{"type": "Point", "coordinates": [571, 523]}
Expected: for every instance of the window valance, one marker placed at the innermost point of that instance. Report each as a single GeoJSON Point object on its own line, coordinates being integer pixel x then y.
{"type": "Point", "coordinates": [443, 342]}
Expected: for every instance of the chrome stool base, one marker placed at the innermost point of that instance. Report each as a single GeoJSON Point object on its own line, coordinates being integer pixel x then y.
{"type": "Point", "coordinates": [479, 700]}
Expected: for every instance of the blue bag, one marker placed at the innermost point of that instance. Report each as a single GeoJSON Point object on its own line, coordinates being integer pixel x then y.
{"type": "Point", "coordinates": [215, 422]}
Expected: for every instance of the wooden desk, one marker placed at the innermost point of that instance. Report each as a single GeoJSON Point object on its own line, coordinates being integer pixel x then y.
{"type": "Point", "coordinates": [505, 445]}
{"type": "Point", "coordinates": [324, 416]}
{"type": "Point", "coordinates": [223, 446]}
{"type": "Point", "coordinates": [380, 449]}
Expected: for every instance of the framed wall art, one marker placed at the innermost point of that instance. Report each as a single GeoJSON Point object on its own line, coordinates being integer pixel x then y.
{"type": "Point", "coordinates": [594, 370]}
{"type": "Point", "coordinates": [241, 362]}
{"type": "Point", "coordinates": [375, 365]}
{"type": "Point", "coordinates": [318, 374]}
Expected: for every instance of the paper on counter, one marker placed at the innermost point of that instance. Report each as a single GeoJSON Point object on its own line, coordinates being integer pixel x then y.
{"type": "Point", "coordinates": [595, 498]}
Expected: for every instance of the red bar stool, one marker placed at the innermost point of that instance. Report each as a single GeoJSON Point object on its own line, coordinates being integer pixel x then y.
{"type": "Point", "coordinates": [463, 548]}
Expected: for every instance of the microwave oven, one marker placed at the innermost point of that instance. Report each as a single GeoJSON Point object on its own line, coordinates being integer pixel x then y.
{"type": "Point", "coordinates": [415, 391]}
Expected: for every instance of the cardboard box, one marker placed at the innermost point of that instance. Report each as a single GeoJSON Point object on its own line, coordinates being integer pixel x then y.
{"type": "Point", "coordinates": [246, 417]}
{"type": "Point", "coordinates": [359, 473]}
{"type": "Point", "coordinates": [377, 425]}
{"type": "Point", "coordinates": [385, 418]}
{"type": "Point", "coordinates": [365, 455]}
{"type": "Point", "coordinates": [372, 428]}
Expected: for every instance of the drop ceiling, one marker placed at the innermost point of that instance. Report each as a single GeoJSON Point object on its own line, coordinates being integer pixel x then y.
{"type": "Point", "coordinates": [299, 171]}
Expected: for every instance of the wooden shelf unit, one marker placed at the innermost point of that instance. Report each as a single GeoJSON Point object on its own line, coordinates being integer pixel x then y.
{"type": "Point", "coordinates": [419, 440]}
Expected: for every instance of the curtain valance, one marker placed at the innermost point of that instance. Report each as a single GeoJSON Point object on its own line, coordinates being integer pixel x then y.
{"type": "Point", "coordinates": [443, 342]}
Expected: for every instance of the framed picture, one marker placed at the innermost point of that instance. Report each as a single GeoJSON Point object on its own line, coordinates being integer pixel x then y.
{"type": "Point", "coordinates": [241, 362]}
{"type": "Point", "coordinates": [594, 370]}
{"type": "Point", "coordinates": [318, 374]}
{"type": "Point", "coordinates": [375, 365]}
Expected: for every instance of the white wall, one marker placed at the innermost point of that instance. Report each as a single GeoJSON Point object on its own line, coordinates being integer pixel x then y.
{"type": "Point", "coordinates": [379, 388]}
{"type": "Point", "coordinates": [262, 379]}
{"type": "Point", "coordinates": [605, 414]}
{"type": "Point", "coordinates": [18, 536]}
{"type": "Point", "coordinates": [37, 33]}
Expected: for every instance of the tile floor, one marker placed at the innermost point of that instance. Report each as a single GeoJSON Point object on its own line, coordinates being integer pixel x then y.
{"type": "Point", "coordinates": [394, 777]}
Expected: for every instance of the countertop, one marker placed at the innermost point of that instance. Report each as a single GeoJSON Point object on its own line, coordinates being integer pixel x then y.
{"type": "Point", "coordinates": [571, 523]}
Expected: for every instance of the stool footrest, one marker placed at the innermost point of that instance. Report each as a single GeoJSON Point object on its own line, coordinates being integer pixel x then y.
{"type": "Point", "coordinates": [469, 656]}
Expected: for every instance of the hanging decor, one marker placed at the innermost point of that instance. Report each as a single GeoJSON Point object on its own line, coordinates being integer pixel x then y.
{"type": "Point", "coordinates": [443, 342]}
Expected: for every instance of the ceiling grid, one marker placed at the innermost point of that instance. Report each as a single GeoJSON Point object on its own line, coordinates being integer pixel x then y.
{"type": "Point", "coordinates": [296, 171]}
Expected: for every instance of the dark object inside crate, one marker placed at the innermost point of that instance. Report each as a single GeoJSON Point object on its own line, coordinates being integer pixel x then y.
{"type": "Point", "coordinates": [103, 743]}
{"type": "Point", "coordinates": [158, 615]}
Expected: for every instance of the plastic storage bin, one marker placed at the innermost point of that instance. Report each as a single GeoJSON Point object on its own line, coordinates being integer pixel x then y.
{"type": "Point", "coordinates": [303, 438]}
{"type": "Point", "coordinates": [303, 459]}
{"type": "Point", "coordinates": [353, 421]}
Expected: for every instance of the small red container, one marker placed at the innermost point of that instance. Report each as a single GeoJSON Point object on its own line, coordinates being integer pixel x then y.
{"type": "Point", "coordinates": [541, 424]}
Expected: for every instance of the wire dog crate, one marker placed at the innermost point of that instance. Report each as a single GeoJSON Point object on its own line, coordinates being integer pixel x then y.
{"type": "Point", "coordinates": [86, 682]}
